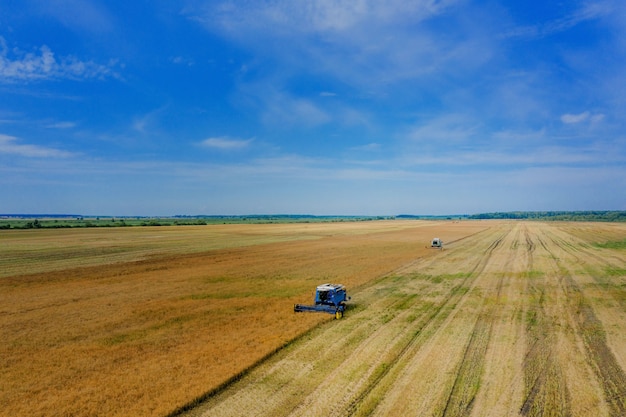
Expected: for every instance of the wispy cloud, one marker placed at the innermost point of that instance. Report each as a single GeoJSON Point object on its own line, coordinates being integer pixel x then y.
{"type": "Point", "coordinates": [224, 143]}
{"type": "Point", "coordinates": [445, 129]}
{"type": "Point", "coordinates": [284, 109]}
{"type": "Point", "coordinates": [368, 147]}
{"type": "Point", "coordinates": [61, 125]}
{"type": "Point", "coordinates": [363, 43]}
{"type": "Point", "coordinates": [278, 107]}
{"type": "Point", "coordinates": [85, 16]}
{"type": "Point", "coordinates": [314, 16]}
{"type": "Point", "coordinates": [10, 145]}
{"type": "Point", "coordinates": [20, 66]}
{"type": "Point", "coordinates": [568, 118]}
{"type": "Point", "coordinates": [548, 157]}
{"type": "Point", "coordinates": [588, 11]}
{"type": "Point", "coordinates": [574, 118]}
{"type": "Point", "coordinates": [180, 60]}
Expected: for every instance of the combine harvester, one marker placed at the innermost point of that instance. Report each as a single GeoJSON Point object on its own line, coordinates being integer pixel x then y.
{"type": "Point", "coordinates": [436, 243]}
{"type": "Point", "coordinates": [329, 298]}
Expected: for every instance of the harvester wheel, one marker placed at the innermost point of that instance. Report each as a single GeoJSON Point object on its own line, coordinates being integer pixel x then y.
{"type": "Point", "coordinates": [338, 314]}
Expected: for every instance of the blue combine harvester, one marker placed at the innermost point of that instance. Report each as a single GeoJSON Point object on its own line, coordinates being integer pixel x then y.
{"type": "Point", "coordinates": [329, 298]}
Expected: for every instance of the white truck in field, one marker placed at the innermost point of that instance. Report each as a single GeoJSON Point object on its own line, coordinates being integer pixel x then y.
{"type": "Point", "coordinates": [436, 243]}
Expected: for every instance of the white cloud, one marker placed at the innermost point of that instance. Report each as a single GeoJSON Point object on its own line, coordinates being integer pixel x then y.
{"type": "Point", "coordinates": [585, 116]}
{"type": "Point", "coordinates": [145, 122]}
{"type": "Point", "coordinates": [17, 65]}
{"type": "Point", "coordinates": [311, 16]}
{"type": "Point", "coordinates": [368, 147]}
{"type": "Point", "coordinates": [290, 110]}
{"type": "Point", "coordinates": [85, 16]}
{"type": "Point", "coordinates": [445, 129]}
{"type": "Point", "coordinates": [588, 11]}
{"type": "Point", "coordinates": [179, 60]}
{"type": "Point", "coordinates": [520, 136]}
{"type": "Point", "coordinates": [364, 43]}
{"type": "Point", "coordinates": [518, 156]}
{"type": "Point", "coordinates": [575, 118]}
{"type": "Point", "coordinates": [9, 145]}
{"type": "Point", "coordinates": [280, 108]}
{"type": "Point", "coordinates": [61, 125]}
{"type": "Point", "coordinates": [596, 118]}
{"type": "Point", "coordinates": [225, 143]}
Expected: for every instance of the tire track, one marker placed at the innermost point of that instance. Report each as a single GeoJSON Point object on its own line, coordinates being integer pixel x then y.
{"type": "Point", "coordinates": [597, 352]}
{"type": "Point", "coordinates": [544, 380]}
{"type": "Point", "coordinates": [582, 254]}
{"type": "Point", "coordinates": [364, 405]}
{"type": "Point", "coordinates": [471, 368]}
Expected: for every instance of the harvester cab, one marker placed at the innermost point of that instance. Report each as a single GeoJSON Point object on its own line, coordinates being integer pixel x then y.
{"type": "Point", "coordinates": [329, 298]}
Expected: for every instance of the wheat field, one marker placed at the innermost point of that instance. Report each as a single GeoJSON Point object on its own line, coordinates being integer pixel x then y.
{"type": "Point", "coordinates": [141, 321]}
{"type": "Point", "coordinates": [510, 318]}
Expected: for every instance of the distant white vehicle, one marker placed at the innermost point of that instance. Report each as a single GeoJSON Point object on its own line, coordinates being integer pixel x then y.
{"type": "Point", "coordinates": [436, 243]}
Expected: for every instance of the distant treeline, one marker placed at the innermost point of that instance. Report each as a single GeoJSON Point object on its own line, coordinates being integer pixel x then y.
{"type": "Point", "coordinates": [30, 221]}
{"type": "Point", "coordinates": [51, 221]}
{"type": "Point", "coordinates": [591, 216]}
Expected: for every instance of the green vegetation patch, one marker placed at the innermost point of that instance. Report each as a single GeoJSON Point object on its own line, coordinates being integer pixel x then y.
{"type": "Point", "coordinates": [619, 244]}
{"type": "Point", "coordinates": [533, 274]}
{"type": "Point", "coordinates": [436, 279]}
{"type": "Point", "coordinates": [615, 272]}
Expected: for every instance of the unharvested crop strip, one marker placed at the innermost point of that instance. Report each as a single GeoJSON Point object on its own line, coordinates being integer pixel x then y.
{"type": "Point", "coordinates": [183, 409]}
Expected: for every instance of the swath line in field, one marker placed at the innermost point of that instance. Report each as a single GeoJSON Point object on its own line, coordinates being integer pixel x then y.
{"type": "Point", "coordinates": [366, 402]}
{"type": "Point", "coordinates": [598, 354]}
{"type": "Point", "coordinates": [471, 367]}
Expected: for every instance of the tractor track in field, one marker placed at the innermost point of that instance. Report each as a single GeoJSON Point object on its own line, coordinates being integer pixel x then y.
{"type": "Point", "coordinates": [598, 354]}
{"type": "Point", "coordinates": [545, 387]}
{"type": "Point", "coordinates": [595, 271]}
{"type": "Point", "coordinates": [470, 369]}
{"type": "Point", "coordinates": [470, 372]}
{"type": "Point", "coordinates": [409, 340]}
{"type": "Point", "coordinates": [473, 352]}
{"type": "Point", "coordinates": [583, 319]}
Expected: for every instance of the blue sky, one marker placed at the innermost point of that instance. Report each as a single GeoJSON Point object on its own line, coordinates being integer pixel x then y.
{"type": "Point", "coordinates": [311, 107]}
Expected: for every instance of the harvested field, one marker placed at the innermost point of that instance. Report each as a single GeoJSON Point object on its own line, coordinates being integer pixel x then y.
{"type": "Point", "coordinates": [519, 319]}
{"type": "Point", "coordinates": [510, 319]}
